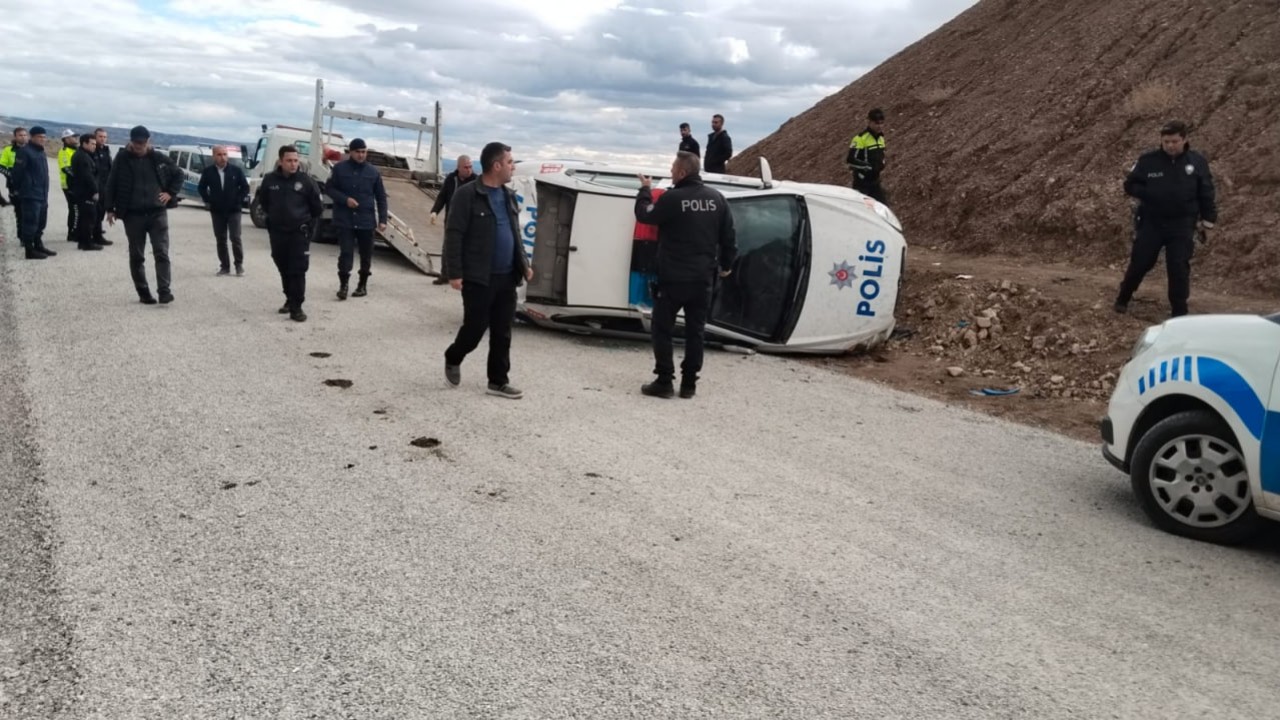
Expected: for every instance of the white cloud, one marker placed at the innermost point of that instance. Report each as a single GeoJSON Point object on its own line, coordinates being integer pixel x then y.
{"type": "Point", "coordinates": [591, 78]}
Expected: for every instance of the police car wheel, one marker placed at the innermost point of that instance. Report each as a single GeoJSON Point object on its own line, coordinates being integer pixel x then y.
{"type": "Point", "coordinates": [1191, 479]}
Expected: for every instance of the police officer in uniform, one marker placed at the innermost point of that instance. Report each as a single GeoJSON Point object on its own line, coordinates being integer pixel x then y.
{"type": "Point", "coordinates": [359, 206]}
{"type": "Point", "coordinates": [291, 201]}
{"type": "Point", "coordinates": [1174, 189]}
{"type": "Point", "coordinates": [695, 234]}
{"type": "Point", "coordinates": [29, 179]}
{"type": "Point", "coordinates": [70, 140]}
{"type": "Point", "coordinates": [866, 157]}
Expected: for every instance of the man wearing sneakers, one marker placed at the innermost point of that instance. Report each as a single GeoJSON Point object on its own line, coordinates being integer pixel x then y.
{"type": "Point", "coordinates": [484, 259]}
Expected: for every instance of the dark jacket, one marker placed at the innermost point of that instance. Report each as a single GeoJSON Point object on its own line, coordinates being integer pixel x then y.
{"type": "Point", "coordinates": [469, 236]}
{"type": "Point", "coordinates": [1173, 188]}
{"type": "Point", "coordinates": [290, 202]}
{"type": "Point", "coordinates": [688, 144]}
{"type": "Point", "coordinates": [29, 178]}
{"type": "Point", "coordinates": [82, 177]}
{"type": "Point", "coordinates": [695, 231]}
{"type": "Point", "coordinates": [102, 159]}
{"type": "Point", "coordinates": [363, 182]}
{"type": "Point", "coordinates": [223, 198]}
{"type": "Point", "coordinates": [719, 150]}
{"type": "Point", "coordinates": [136, 182]}
{"type": "Point", "coordinates": [447, 190]}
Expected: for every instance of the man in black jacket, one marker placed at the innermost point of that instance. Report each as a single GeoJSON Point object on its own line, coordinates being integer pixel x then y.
{"type": "Point", "coordinates": [1176, 197]}
{"type": "Point", "coordinates": [292, 203]}
{"type": "Point", "coordinates": [102, 162]}
{"type": "Point", "coordinates": [687, 142]}
{"type": "Point", "coordinates": [82, 191]}
{"type": "Point", "coordinates": [462, 175]}
{"type": "Point", "coordinates": [719, 146]}
{"type": "Point", "coordinates": [29, 184]}
{"type": "Point", "coordinates": [695, 235]}
{"type": "Point", "coordinates": [486, 262]}
{"type": "Point", "coordinates": [224, 187]}
{"type": "Point", "coordinates": [142, 186]}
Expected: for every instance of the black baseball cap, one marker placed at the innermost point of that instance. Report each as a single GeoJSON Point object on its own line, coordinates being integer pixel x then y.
{"type": "Point", "coordinates": [139, 134]}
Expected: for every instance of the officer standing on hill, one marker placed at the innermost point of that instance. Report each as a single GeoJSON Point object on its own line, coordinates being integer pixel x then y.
{"type": "Point", "coordinates": [1176, 197]}
{"type": "Point", "coordinates": [866, 157]}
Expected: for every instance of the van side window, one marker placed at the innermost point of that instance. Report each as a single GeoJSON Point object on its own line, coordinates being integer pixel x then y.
{"type": "Point", "coordinates": [173, 155]}
{"type": "Point", "coordinates": [197, 162]}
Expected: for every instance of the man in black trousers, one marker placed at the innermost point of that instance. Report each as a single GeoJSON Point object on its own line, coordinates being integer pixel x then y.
{"type": "Point", "coordinates": [484, 259]}
{"type": "Point", "coordinates": [292, 203]}
{"type": "Point", "coordinates": [695, 237]}
{"type": "Point", "coordinates": [224, 188]}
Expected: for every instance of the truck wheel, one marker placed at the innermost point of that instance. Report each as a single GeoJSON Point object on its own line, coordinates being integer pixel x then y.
{"type": "Point", "coordinates": [257, 215]}
{"type": "Point", "coordinates": [1191, 479]}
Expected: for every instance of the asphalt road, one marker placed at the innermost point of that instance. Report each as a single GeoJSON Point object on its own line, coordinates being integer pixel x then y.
{"type": "Point", "coordinates": [197, 526]}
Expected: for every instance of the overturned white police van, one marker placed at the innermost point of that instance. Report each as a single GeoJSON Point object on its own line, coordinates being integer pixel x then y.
{"type": "Point", "coordinates": [818, 271]}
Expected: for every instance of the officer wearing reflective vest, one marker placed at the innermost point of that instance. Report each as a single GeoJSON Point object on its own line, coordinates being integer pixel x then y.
{"type": "Point", "coordinates": [70, 141]}
{"type": "Point", "coordinates": [7, 158]}
{"type": "Point", "coordinates": [1174, 189]}
{"type": "Point", "coordinates": [866, 157]}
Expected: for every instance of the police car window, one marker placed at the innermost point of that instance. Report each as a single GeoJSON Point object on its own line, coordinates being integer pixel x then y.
{"type": "Point", "coordinates": [236, 161]}
{"type": "Point", "coordinates": [197, 162]}
{"type": "Point", "coordinates": [755, 297]}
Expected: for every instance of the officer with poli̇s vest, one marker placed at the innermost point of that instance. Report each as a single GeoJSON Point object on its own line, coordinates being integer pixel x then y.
{"type": "Point", "coordinates": [1174, 189]}
{"type": "Point", "coordinates": [695, 235]}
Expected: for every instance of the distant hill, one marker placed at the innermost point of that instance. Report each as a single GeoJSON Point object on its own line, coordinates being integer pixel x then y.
{"type": "Point", "coordinates": [1011, 128]}
{"type": "Point", "coordinates": [115, 135]}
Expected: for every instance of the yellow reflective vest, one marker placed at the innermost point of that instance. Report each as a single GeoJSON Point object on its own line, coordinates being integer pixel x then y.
{"type": "Point", "coordinates": [64, 164]}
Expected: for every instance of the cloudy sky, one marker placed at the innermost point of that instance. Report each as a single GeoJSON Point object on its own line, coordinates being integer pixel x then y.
{"type": "Point", "coordinates": [566, 78]}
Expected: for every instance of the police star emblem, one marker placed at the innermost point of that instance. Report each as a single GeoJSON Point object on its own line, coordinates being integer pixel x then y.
{"type": "Point", "coordinates": [842, 275]}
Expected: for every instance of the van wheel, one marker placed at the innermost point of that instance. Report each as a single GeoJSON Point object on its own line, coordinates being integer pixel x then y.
{"type": "Point", "coordinates": [1191, 479]}
{"type": "Point", "coordinates": [257, 215]}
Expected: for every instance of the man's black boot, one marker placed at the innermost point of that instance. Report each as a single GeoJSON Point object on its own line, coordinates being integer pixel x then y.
{"type": "Point", "coordinates": [41, 248]}
{"type": "Point", "coordinates": [361, 287]}
{"type": "Point", "coordinates": [342, 285]}
{"type": "Point", "coordinates": [688, 388]}
{"type": "Point", "coordinates": [33, 254]}
{"type": "Point", "coordinates": [660, 388]}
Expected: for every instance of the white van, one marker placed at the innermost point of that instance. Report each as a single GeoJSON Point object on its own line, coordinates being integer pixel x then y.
{"type": "Point", "coordinates": [818, 269]}
{"type": "Point", "coordinates": [193, 159]}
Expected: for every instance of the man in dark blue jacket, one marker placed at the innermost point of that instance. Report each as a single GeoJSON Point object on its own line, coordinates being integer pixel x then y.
{"type": "Point", "coordinates": [355, 187]}
{"type": "Point", "coordinates": [29, 180]}
{"type": "Point", "coordinates": [224, 187]}
{"type": "Point", "coordinates": [1174, 189]}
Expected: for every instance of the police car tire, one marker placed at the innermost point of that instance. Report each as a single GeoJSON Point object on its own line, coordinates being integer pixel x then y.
{"type": "Point", "coordinates": [256, 214]}
{"type": "Point", "coordinates": [1192, 422]}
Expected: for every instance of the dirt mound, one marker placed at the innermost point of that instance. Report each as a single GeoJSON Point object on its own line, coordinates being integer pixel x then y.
{"type": "Point", "coordinates": [1010, 129]}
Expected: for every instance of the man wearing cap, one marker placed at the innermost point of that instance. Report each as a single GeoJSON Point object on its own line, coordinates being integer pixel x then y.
{"type": "Point", "coordinates": [30, 182]}
{"type": "Point", "coordinates": [1176, 197]}
{"type": "Point", "coordinates": [223, 187]}
{"type": "Point", "coordinates": [70, 139]}
{"type": "Point", "coordinates": [83, 192]}
{"type": "Point", "coordinates": [355, 187]}
{"type": "Point", "coordinates": [866, 157]}
{"type": "Point", "coordinates": [143, 184]}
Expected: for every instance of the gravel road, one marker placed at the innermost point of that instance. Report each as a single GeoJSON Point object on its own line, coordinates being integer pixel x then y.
{"type": "Point", "coordinates": [197, 526]}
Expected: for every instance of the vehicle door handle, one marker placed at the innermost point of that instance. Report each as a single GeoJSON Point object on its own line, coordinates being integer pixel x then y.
{"type": "Point", "coordinates": [573, 248]}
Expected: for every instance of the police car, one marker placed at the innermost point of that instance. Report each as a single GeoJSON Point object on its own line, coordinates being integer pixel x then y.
{"type": "Point", "coordinates": [818, 269]}
{"type": "Point", "coordinates": [1195, 422]}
